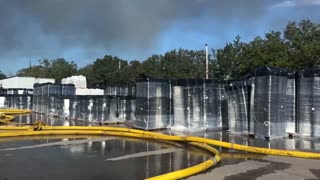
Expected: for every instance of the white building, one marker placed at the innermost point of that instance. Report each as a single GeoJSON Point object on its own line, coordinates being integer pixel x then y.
{"type": "Point", "coordinates": [23, 82]}
{"type": "Point", "coordinates": [80, 82]}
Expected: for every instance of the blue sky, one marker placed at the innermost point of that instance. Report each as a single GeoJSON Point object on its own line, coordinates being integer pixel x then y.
{"type": "Point", "coordinates": [155, 31]}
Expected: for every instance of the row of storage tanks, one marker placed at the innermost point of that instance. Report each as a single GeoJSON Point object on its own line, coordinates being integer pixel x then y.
{"type": "Point", "coordinates": [269, 102]}
{"type": "Point", "coordinates": [116, 103]}
{"type": "Point", "coordinates": [16, 98]}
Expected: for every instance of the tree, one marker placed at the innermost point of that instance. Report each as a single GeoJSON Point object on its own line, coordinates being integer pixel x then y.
{"type": "Point", "coordinates": [230, 62]}
{"type": "Point", "coordinates": [57, 69]}
{"type": "Point", "coordinates": [60, 68]}
{"type": "Point", "coordinates": [2, 75]}
{"type": "Point", "coordinates": [304, 41]}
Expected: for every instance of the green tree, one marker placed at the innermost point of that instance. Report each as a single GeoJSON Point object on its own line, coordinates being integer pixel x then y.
{"type": "Point", "coordinates": [2, 75]}
{"type": "Point", "coordinates": [304, 41]}
{"type": "Point", "coordinates": [57, 69]}
{"type": "Point", "coordinates": [60, 68]}
{"type": "Point", "coordinates": [230, 62]}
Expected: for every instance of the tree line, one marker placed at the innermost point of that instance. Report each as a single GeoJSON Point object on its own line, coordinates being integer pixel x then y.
{"type": "Point", "coordinates": [298, 46]}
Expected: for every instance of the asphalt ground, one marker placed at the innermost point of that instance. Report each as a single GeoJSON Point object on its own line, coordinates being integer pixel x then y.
{"type": "Point", "coordinates": [74, 157]}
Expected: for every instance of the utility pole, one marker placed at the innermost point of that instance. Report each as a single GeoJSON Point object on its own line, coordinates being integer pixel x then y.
{"type": "Point", "coordinates": [207, 68]}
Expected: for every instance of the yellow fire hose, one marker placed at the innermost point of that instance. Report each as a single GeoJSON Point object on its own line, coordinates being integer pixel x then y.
{"type": "Point", "coordinates": [40, 129]}
{"type": "Point", "coordinates": [173, 175]}
{"type": "Point", "coordinates": [15, 111]}
{"type": "Point", "coordinates": [158, 136]}
{"type": "Point", "coordinates": [5, 119]}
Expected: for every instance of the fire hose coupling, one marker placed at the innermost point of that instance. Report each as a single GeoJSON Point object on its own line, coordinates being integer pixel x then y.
{"type": "Point", "coordinates": [37, 126]}
{"type": "Point", "coordinates": [214, 160]}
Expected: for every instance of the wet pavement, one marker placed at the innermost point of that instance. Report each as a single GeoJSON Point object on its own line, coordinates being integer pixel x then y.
{"type": "Point", "coordinates": [79, 157]}
{"type": "Point", "coordinates": [96, 158]}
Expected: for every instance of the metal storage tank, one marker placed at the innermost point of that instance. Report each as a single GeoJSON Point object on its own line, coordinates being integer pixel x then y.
{"type": "Point", "coordinates": [238, 106]}
{"type": "Point", "coordinates": [133, 103]}
{"type": "Point", "coordinates": [187, 105]}
{"type": "Point", "coordinates": [102, 105]}
{"type": "Point", "coordinates": [50, 99]}
{"type": "Point", "coordinates": [268, 98]}
{"type": "Point", "coordinates": [152, 103]}
{"type": "Point", "coordinates": [67, 94]}
{"type": "Point", "coordinates": [211, 103]}
{"type": "Point", "coordinates": [40, 99]}
{"type": "Point", "coordinates": [35, 98]}
{"type": "Point", "coordinates": [291, 104]}
{"type": "Point", "coordinates": [112, 92]}
{"type": "Point", "coordinates": [88, 108]}
{"type": "Point", "coordinates": [308, 102]}
{"type": "Point", "coordinates": [123, 103]}
{"type": "Point", "coordinates": [223, 113]}
{"type": "Point", "coordinates": [125, 98]}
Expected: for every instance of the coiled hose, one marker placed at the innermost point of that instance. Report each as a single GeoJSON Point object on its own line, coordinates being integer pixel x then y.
{"type": "Point", "coordinates": [5, 117]}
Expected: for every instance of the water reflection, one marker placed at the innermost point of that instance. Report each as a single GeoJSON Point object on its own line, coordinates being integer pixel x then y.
{"type": "Point", "coordinates": [144, 165]}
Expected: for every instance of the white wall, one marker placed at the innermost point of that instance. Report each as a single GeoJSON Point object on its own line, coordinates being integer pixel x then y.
{"type": "Point", "coordinates": [44, 80]}
{"type": "Point", "coordinates": [94, 92]}
{"type": "Point", "coordinates": [80, 82]}
{"type": "Point", "coordinates": [23, 82]}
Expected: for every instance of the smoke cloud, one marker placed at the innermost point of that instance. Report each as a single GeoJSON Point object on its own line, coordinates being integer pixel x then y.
{"type": "Point", "coordinates": [31, 28]}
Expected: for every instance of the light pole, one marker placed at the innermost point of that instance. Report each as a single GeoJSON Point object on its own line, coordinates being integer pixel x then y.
{"type": "Point", "coordinates": [207, 69]}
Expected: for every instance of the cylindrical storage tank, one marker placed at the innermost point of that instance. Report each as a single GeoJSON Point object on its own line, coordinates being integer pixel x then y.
{"type": "Point", "coordinates": [211, 103]}
{"type": "Point", "coordinates": [187, 106]}
{"type": "Point", "coordinates": [308, 102]}
{"type": "Point", "coordinates": [238, 103]}
{"type": "Point", "coordinates": [152, 103]}
{"type": "Point", "coordinates": [291, 104]}
{"type": "Point", "coordinates": [268, 98]}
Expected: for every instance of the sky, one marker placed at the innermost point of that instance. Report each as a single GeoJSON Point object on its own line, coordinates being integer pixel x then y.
{"type": "Point", "coordinates": [84, 30]}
